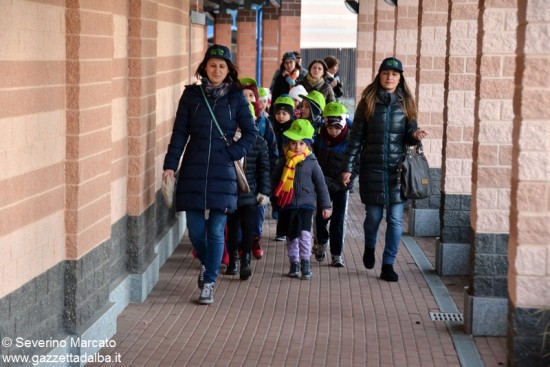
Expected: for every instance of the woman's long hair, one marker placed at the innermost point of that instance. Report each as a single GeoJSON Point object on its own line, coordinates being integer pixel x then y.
{"type": "Point", "coordinates": [232, 77]}
{"type": "Point", "coordinates": [370, 96]}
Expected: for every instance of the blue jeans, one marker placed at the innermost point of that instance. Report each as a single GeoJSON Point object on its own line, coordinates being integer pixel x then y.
{"type": "Point", "coordinates": [259, 217]}
{"type": "Point", "coordinates": [207, 237]}
{"type": "Point", "coordinates": [394, 220]}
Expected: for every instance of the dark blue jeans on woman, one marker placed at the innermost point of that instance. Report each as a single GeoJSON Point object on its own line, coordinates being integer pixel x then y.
{"type": "Point", "coordinates": [394, 220]}
{"type": "Point", "coordinates": [207, 237]}
{"type": "Point", "coordinates": [337, 220]}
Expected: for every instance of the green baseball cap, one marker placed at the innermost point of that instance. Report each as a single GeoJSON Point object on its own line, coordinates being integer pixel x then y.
{"type": "Point", "coordinates": [317, 98]}
{"type": "Point", "coordinates": [285, 99]}
{"type": "Point", "coordinates": [248, 81]}
{"type": "Point", "coordinates": [301, 129]}
{"type": "Point", "coordinates": [335, 109]}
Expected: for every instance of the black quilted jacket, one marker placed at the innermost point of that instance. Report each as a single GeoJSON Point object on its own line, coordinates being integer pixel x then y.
{"type": "Point", "coordinates": [379, 144]}
{"type": "Point", "coordinates": [257, 171]}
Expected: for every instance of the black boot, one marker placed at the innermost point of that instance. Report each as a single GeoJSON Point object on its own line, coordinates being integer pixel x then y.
{"type": "Point", "coordinates": [368, 258]}
{"type": "Point", "coordinates": [233, 265]}
{"type": "Point", "coordinates": [246, 269]}
{"type": "Point", "coordinates": [388, 274]}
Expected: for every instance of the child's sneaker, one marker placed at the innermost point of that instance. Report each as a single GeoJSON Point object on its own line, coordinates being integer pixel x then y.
{"type": "Point", "coordinates": [306, 269]}
{"type": "Point", "coordinates": [320, 254]}
{"type": "Point", "coordinates": [294, 271]}
{"type": "Point", "coordinates": [337, 261]}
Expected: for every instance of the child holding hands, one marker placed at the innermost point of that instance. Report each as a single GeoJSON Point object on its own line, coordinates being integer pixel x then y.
{"type": "Point", "coordinates": [300, 188]}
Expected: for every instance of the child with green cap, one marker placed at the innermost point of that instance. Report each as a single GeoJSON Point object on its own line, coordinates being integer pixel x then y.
{"type": "Point", "coordinates": [329, 148]}
{"type": "Point", "coordinates": [281, 120]}
{"type": "Point", "coordinates": [300, 189]}
{"type": "Point", "coordinates": [312, 108]}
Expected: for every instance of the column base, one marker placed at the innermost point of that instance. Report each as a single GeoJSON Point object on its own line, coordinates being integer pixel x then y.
{"type": "Point", "coordinates": [452, 258]}
{"type": "Point", "coordinates": [485, 316]}
{"type": "Point", "coordinates": [423, 222]}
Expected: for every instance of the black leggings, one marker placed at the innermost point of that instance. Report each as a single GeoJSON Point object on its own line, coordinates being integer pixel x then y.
{"type": "Point", "coordinates": [241, 222]}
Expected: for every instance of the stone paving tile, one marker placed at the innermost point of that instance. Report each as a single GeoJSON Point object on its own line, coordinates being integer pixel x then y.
{"type": "Point", "coordinates": [341, 317]}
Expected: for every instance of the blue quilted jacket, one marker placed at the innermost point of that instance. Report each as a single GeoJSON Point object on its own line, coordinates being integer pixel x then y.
{"type": "Point", "coordinates": [207, 178]}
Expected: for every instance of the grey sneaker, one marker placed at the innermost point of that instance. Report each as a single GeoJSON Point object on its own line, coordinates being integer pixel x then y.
{"type": "Point", "coordinates": [280, 238]}
{"type": "Point", "coordinates": [337, 261]}
{"type": "Point", "coordinates": [207, 294]}
{"type": "Point", "coordinates": [294, 271]}
{"type": "Point", "coordinates": [200, 280]}
{"type": "Point", "coordinates": [306, 270]}
{"type": "Point", "coordinates": [320, 254]}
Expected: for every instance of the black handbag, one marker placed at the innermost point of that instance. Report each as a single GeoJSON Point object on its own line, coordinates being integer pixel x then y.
{"type": "Point", "coordinates": [242, 183]}
{"type": "Point", "coordinates": [414, 174]}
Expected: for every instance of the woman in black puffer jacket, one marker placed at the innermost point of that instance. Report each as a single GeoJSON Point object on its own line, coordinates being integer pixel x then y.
{"type": "Point", "coordinates": [385, 121]}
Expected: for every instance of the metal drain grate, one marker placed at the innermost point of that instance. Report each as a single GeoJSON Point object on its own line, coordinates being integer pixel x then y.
{"type": "Point", "coordinates": [446, 316]}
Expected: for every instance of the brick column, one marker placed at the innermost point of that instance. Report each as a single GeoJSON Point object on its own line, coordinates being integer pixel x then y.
{"type": "Point", "coordinates": [423, 215]}
{"type": "Point", "coordinates": [529, 245]}
{"type": "Point", "coordinates": [222, 29]}
{"type": "Point", "coordinates": [88, 162]}
{"type": "Point", "coordinates": [364, 73]}
{"type": "Point", "coordinates": [453, 247]}
{"type": "Point", "coordinates": [246, 43]}
{"type": "Point", "coordinates": [486, 299]}
{"type": "Point", "coordinates": [289, 26]}
{"type": "Point", "coordinates": [271, 53]}
{"type": "Point", "coordinates": [142, 38]}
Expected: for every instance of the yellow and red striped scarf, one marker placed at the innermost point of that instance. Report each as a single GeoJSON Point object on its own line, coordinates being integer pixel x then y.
{"type": "Point", "coordinates": [285, 189]}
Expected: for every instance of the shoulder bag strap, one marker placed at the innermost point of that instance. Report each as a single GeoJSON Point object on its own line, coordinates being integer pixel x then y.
{"type": "Point", "coordinates": [214, 116]}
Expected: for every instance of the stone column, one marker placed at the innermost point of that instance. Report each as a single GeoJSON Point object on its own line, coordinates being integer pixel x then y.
{"type": "Point", "coordinates": [486, 302]}
{"type": "Point", "coordinates": [529, 244]}
{"type": "Point", "coordinates": [453, 247]}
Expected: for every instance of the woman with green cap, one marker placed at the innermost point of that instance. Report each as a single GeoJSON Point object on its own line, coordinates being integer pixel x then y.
{"type": "Point", "coordinates": [384, 123]}
{"type": "Point", "coordinates": [207, 182]}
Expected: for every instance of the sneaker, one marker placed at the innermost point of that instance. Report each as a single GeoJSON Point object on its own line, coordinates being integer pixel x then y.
{"type": "Point", "coordinates": [280, 238]}
{"type": "Point", "coordinates": [294, 271]}
{"type": "Point", "coordinates": [320, 254]}
{"type": "Point", "coordinates": [207, 294]}
{"type": "Point", "coordinates": [306, 270]}
{"type": "Point", "coordinates": [200, 281]}
{"type": "Point", "coordinates": [337, 261]}
{"type": "Point", "coordinates": [257, 248]}
{"type": "Point", "coordinates": [388, 274]}
{"type": "Point", "coordinates": [368, 258]}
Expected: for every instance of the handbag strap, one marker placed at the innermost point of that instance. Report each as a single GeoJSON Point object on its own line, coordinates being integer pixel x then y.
{"type": "Point", "coordinates": [214, 117]}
